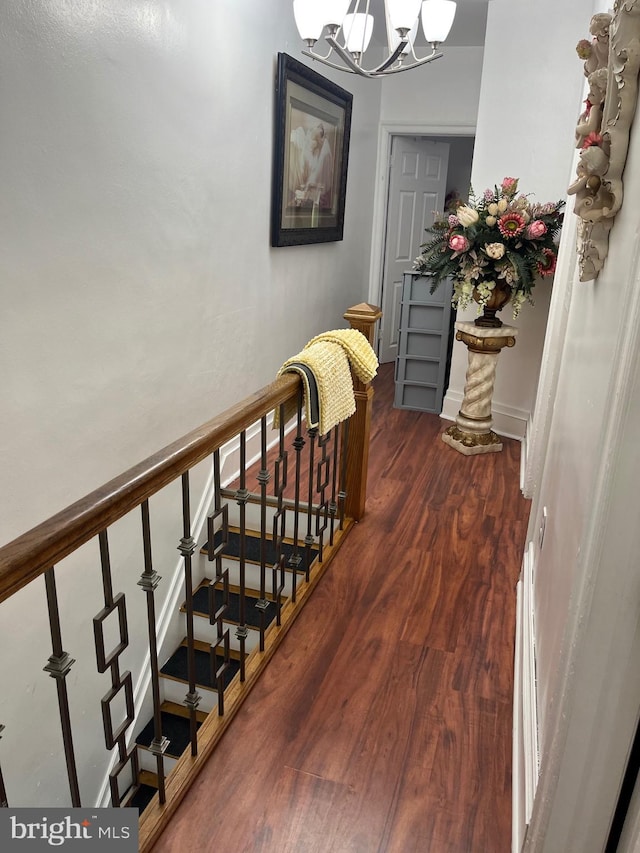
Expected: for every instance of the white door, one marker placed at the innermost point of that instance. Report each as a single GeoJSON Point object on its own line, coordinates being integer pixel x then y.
{"type": "Point", "coordinates": [417, 185]}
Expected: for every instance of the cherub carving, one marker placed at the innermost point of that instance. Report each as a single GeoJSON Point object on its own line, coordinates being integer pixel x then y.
{"type": "Point", "coordinates": [593, 198]}
{"type": "Point", "coordinates": [591, 119]}
{"type": "Point", "coordinates": [599, 53]}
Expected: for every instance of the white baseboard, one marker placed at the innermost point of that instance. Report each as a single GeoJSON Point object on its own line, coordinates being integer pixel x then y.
{"type": "Point", "coordinates": [508, 421]}
{"type": "Point", "coordinates": [524, 457]}
{"type": "Point", "coordinates": [525, 765]}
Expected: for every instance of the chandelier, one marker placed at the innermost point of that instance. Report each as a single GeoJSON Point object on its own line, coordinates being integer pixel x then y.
{"type": "Point", "coordinates": [349, 32]}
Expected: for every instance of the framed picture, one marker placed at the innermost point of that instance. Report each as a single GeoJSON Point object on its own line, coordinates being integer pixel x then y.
{"type": "Point", "coordinates": [313, 122]}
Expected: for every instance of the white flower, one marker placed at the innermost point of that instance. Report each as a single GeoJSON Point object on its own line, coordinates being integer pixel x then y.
{"type": "Point", "coordinates": [466, 215]}
{"type": "Point", "coordinates": [493, 209]}
{"type": "Point", "coordinates": [491, 220]}
{"type": "Point", "coordinates": [494, 250]}
{"type": "Point", "coordinates": [503, 204]}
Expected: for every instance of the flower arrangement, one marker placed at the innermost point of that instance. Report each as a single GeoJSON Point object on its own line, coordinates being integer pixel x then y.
{"type": "Point", "coordinates": [500, 240]}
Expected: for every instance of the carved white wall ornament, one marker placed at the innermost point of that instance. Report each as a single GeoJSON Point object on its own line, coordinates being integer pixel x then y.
{"type": "Point", "coordinates": [598, 187]}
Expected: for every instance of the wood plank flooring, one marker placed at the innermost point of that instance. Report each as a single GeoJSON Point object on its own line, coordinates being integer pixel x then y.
{"type": "Point", "coordinates": [383, 723]}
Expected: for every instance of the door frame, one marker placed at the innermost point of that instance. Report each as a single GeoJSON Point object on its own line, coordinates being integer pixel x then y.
{"type": "Point", "coordinates": [385, 131]}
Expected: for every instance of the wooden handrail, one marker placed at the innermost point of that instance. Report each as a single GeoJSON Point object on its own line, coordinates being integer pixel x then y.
{"type": "Point", "coordinates": [31, 554]}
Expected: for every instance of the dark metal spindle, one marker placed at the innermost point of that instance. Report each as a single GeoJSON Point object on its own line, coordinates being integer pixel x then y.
{"type": "Point", "coordinates": [323, 478]}
{"type": "Point", "coordinates": [298, 445]}
{"type": "Point", "coordinates": [279, 521]}
{"type": "Point", "coordinates": [263, 478]}
{"type": "Point", "coordinates": [215, 550]}
{"type": "Point", "coordinates": [333, 504]}
{"type": "Point", "coordinates": [242, 496]}
{"type": "Point", "coordinates": [3, 791]}
{"type": "Point", "coordinates": [342, 494]}
{"type": "Point", "coordinates": [308, 539]}
{"type": "Point", "coordinates": [149, 581]}
{"type": "Point", "coordinates": [186, 547]}
{"type": "Point", "coordinates": [58, 667]}
{"type": "Point", "coordinates": [118, 682]}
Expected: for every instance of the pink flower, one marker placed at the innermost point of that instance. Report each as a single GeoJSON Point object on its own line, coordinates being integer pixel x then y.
{"type": "Point", "coordinates": [453, 220]}
{"type": "Point", "coordinates": [547, 267]}
{"type": "Point", "coordinates": [536, 229]}
{"type": "Point", "coordinates": [509, 186]}
{"type": "Point", "coordinates": [458, 243]}
{"type": "Point", "coordinates": [488, 195]}
{"type": "Point", "coordinates": [511, 224]}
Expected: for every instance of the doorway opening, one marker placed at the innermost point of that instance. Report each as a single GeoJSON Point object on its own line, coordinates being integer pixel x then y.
{"type": "Point", "coordinates": [425, 174]}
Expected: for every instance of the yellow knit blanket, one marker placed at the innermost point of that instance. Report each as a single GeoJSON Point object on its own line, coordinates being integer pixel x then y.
{"type": "Point", "coordinates": [325, 366]}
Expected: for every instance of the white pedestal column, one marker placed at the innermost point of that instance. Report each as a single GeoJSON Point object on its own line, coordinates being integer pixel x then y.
{"type": "Point", "coordinates": [472, 432]}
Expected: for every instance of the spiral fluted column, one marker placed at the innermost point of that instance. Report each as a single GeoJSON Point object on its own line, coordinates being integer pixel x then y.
{"type": "Point", "coordinates": [472, 432]}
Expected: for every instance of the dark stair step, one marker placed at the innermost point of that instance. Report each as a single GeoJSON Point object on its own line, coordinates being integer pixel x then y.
{"type": "Point", "coordinates": [176, 667]}
{"type": "Point", "coordinates": [175, 727]}
{"type": "Point", "coordinates": [252, 550]}
{"type": "Point", "coordinates": [142, 797]}
{"type": "Point", "coordinates": [252, 613]}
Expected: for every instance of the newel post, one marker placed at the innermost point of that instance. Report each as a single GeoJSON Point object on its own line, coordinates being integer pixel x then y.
{"type": "Point", "coordinates": [362, 317]}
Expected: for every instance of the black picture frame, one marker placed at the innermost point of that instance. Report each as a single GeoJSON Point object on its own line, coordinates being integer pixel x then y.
{"type": "Point", "coordinates": [311, 153]}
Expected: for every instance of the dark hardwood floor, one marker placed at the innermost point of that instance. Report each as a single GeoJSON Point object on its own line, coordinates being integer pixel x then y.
{"type": "Point", "coordinates": [383, 724]}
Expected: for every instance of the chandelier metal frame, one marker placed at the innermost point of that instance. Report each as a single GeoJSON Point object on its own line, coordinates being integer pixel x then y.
{"type": "Point", "coordinates": [394, 62]}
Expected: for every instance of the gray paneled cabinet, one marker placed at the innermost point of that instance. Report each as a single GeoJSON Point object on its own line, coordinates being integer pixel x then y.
{"type": "Point", "coordinates": [423, 344]}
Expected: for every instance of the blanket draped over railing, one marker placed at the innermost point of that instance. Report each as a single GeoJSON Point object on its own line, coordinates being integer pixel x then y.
{"type": "Point", "coordinates": [325, 365]}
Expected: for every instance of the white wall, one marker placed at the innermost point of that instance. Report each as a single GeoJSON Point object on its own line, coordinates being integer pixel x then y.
{"type": "Point", "coordinates": [140, 292]}
{"type": "Point", "coordinates": [443, 92]}
{"type": "Point", "coordinates": [585, 584]}
{"type": "Point", "coordinates": [530, 91]}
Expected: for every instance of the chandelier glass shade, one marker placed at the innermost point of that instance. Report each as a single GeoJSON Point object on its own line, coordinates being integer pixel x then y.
{"type": "Point", "coordinates": [348, 27]}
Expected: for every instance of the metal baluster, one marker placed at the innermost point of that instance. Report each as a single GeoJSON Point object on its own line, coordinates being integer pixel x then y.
{"type": "Point", "coordinates": [263, 478]}
{"type": "Point", "coordinates": [118, 682]}
{"type": "Point", "coordinates": [186, 547]}
{"type": "Point", "coordinates": [298, 444]}
{"type": "Point", "coordinates": [149, 581]}
{"type": "Point", "coordinates": [279, 521]}
{"type": "Point", "coordinates": [242, 496]}
{"type": "Point", "coordinates": [323, 478]}
{"type": "Point", "coordinates": [216, 614]}
{"type": "Point", "coordinates": [342, 494]}
{"type": "Point", "coordinates": [308, 539]}
{"type": "Point", "coordinates": [58, 667]}
{"type": "Point", "coordinates": [333, 505]}
{"type": "Point", "coordinates": [3, 791]}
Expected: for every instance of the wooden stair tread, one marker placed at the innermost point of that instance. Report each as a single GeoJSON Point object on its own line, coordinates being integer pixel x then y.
{"type": "Point", "coordinates": [146, 777]}
{"type": "Point", "coordinates": [182, 711]}
{"type": "Point", "coordinates": [203, 646]}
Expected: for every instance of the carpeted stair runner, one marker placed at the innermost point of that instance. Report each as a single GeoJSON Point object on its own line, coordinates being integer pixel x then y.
{"type": "Point", "coordinates": [252, 550]}
{"type": "Point", "coordinates": [175, 728]}
{"type": "Point", "coordinates": [252, 614]}
{"type": "Point", "coordinates": [176, 667]}
{"type": "Point", "coordinates": [142, 797]}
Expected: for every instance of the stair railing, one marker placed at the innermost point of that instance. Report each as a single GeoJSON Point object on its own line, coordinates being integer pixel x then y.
{"type": "Point", "coordinates": [335, 470]}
